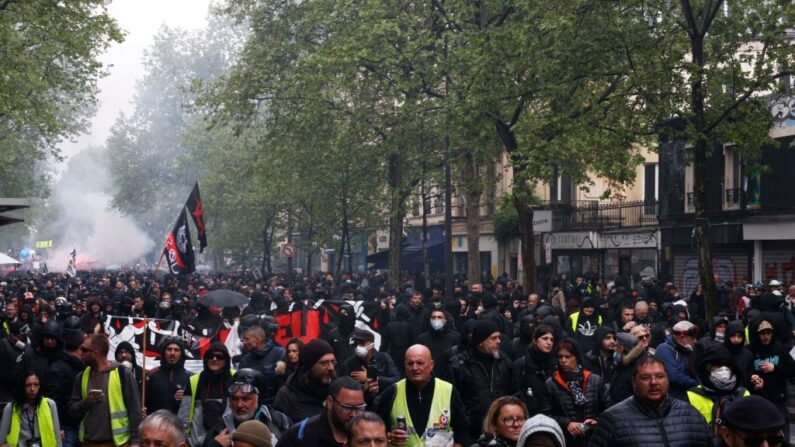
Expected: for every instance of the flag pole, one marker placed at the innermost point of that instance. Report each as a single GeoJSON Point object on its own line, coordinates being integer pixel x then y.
{"type": "Point", "coordinates": [159, 261]}
{"type": "Point", "coordinates": [143, 373]}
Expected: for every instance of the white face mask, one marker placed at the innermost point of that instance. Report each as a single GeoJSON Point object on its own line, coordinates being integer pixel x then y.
{"type": "Point", "coordinates": [20, 344]}
{"type": "Point", "coordinates": [437, 325]}
{"type": "Point", "coordinates": [723, 378]}
{"type": "Point", "coordinates": [362, 351]}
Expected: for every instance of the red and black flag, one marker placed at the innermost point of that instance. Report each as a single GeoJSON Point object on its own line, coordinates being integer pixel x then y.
{"type": "Point", "coordinates": [197, 212]}
{"type": "Point", "coordinates": [179, 248]}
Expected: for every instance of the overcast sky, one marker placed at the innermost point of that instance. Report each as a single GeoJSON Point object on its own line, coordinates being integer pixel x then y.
{"type": "Point", "coordinates": [140, 20]}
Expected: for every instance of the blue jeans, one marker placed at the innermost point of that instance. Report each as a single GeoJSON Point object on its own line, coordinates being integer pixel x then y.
{"type": "Point", "coordinates": [71, 438]}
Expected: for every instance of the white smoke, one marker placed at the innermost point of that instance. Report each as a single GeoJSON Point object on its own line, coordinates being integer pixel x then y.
{"type": "Point", "coordinates": [83, 219]}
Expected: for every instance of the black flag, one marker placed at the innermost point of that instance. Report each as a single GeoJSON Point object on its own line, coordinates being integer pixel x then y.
{"type": "Point", "coordinates": [197, 213]}
{"type": "Point", "coordinates": [179, 248]}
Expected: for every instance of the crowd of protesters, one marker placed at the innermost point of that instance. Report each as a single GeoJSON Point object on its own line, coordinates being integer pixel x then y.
{"type": "Point", "coordinates": [582, 362]}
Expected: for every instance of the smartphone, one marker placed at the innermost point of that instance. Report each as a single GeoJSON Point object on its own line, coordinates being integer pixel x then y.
{"type": "Point", "coordinates": [371, 372]}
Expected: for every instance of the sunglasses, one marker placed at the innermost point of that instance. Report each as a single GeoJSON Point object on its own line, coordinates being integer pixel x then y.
{"type": "Point", "coordinates": [84, 349]}
{"type": "Point", "coordinates": [243, 387]}
{"type": "Point", "coordinates": [756, 441]}
{"type": "Point", "coordinates": [216, 357]}
{"type": "Point", "coordinates": [644, 337]}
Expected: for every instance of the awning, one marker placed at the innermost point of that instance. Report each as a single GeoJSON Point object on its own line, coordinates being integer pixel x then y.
{"type": "Point", "coordinates": [769, 228]}
{"type": "Point", "coordinates": [5, 259]}
{"type": "Point", "coordinates": [411, 258]}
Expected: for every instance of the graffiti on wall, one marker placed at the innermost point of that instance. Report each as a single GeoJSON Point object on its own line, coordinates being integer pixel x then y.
{"type": "Point", "coordinates": [785, 273]}
{"type": "Point", "coordinates": [724, 267]}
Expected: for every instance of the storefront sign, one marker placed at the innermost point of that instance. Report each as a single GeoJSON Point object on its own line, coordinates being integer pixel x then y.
{"type": "Point", "coordinates": [584, 240]}
{"type": "Point", "coordinates": [542, 221]}
{"type": "Point", "coordinates": [628, 240]}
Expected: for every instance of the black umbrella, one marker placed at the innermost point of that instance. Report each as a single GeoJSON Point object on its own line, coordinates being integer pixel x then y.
{"type": "Point", "coordinates": [223, 298]}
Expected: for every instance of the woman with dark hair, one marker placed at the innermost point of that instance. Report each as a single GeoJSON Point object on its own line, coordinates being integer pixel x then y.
{"type": "Point", "coordinates": [576, 395]}
{"type": "Point", "coordinates": [531, 371]}
{"type": "Point", "coordinates": [503, 423]}
{"type": "Point", "coordinates": [30, 420]}
{"type": "Point", "coordinates": [291, 357]}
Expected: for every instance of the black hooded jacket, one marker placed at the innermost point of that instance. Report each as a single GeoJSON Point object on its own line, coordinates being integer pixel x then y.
{"type": "Point", "coordinates": [163, 382]}
{"type": "Point", "coordinates": [39, 358]}
{"type": "Point", "coordinates": [301, 397]}
{"type": "Point", "coordinates": [398, 334]}
{"type": "Point", "coordinates": [741, 354]}
{"type": "Point", "coordinates": [340, 337]}
{"type": "Point", "coordinates": [593, 360]}
{"type": "Point", "coordinates": [138, 372]}
{"type": "Point", "coordinates": [775, 382]}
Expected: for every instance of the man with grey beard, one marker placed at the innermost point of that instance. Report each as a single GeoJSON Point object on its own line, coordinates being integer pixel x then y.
{"type": "Point", "coordinates": [303, 394]}
{"type": "Point", "coordinates": [246, 402]}
{"type": "Point", "coordinates": [480, 373]}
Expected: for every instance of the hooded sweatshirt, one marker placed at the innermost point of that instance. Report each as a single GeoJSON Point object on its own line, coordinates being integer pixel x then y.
{"type": "Point", "coordinates": [775, 382]}
{"type": "Point", "coordinates": [162, 383]}
{"type": "Point", "coordinates": [137, 370]}
{"type": "Point", "coordinates": [210, 394]}
{"type": "Point", "coordinates": [741, 354]}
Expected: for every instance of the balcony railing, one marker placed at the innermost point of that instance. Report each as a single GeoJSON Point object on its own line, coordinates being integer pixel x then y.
{"type": "Point", "coordinates": [593, 216]}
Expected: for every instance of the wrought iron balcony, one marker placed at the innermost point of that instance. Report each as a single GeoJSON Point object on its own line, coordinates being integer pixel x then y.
{"type": "Point", "coordinates": [593, 216]}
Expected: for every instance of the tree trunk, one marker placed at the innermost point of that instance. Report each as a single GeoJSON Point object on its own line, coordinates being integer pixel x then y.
{"type": "Point", "coordinates": [700, 175]}
{"type": "Point", "coordinates": [350, 255]}
{"type": "Point", "coordinates": [426, 262]}
{"type": "Point", "coordinates": [472, 192]}
{"type": "Point", "coordinates": [396, 214]}
{"type": "Point", "coordinates": [290, 241]}
{"type": "Point", "coordinates": [266, 248]}
{"type": "Point", "coordinates": [524, 212]}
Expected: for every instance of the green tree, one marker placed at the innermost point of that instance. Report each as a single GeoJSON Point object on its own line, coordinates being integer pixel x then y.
{"type": "Point", "coordinates": [49, 82]}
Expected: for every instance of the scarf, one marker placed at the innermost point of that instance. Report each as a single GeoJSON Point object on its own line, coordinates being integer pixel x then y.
{"type": "Point", "coordinates": [574, 380]}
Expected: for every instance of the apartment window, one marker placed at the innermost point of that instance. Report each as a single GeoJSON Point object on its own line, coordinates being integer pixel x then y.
{"type": "Point", "coordinates": [651, 184]}
{"type": "Point", "coordinates": [733, 178]}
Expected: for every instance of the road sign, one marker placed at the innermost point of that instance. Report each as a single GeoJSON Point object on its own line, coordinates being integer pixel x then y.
{"type": "Point", "coordinates": [288, 249]}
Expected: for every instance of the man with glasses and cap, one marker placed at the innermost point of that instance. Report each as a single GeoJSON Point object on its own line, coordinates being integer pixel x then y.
{"type": "Point", "coordinates": [329, 428]}
{"type": "Point", "coordinates": [751, 422]}
{"type": "Point", "coordinates": [677, 354]}
{"type": "Point", "coordinates": [246, 403]}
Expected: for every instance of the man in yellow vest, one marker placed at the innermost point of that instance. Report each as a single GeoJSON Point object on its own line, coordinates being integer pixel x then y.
{"type": "Point", "coordinates": [105, 398]}
{"type": "Point", "coordinates": [721, 382]}
{"type": "Point", "coordinates": [422, 410]}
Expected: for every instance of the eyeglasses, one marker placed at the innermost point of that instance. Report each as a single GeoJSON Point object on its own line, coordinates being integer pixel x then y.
{"type": "Point", "coordinates": [84, 349]}
{"type": "Point", "coordinates": [350, 408]}
{"type": "Point", "coordinates": [756, 441]}
{"type": "Point", "coordinates": [511, 420]}
{"type": "Point", "coordinates": [243, 387]}
{"type": "Point", "coordinates": [326, 363]}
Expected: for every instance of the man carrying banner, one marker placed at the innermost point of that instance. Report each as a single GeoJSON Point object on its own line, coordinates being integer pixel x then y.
{"type": "Point", "coordinates": [165, 385]}
{"type": "Point", "coordinates": [105, 397]}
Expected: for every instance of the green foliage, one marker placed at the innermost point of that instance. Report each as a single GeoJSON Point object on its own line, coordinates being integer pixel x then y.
{"type": "Point", "coordinates": [48, 84]}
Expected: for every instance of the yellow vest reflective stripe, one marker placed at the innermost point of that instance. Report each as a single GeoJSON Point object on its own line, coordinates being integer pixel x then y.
{"type": "Point", "coordinates": [44, 423]}
{"type": "Point", "coordinates": [575, 318]}
{"type": "Point", "coordinates": [704, 403]}
{"type": "Point", "coordinates": [747, 340]}
{"type": "Point", "coordinates": [194, 384]}
{"type": "Point", "coordinates": [119, 419]}
{"type": "Point", "coordinates": [438, 419]}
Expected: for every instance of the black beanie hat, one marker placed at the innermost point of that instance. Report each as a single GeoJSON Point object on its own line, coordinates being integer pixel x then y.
{"type": "Point", "coordinates": [483, 329]}
{"type": "Point", "coordinates": [312, 352]}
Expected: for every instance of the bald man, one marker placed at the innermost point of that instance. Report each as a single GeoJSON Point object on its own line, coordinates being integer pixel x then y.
{"type": "Point", "coordinates": [422, 409]}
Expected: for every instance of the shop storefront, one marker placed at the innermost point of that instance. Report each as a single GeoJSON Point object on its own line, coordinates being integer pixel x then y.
{"type": "Point", "coordinates": [631, 255]}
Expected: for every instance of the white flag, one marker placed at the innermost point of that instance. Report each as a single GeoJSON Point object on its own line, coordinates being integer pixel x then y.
{"type": "Point", "coordinates": [71, 271]}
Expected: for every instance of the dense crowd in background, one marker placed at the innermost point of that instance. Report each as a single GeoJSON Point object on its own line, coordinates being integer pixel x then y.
{"type": "Point", "coordinates": [580, 361]}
